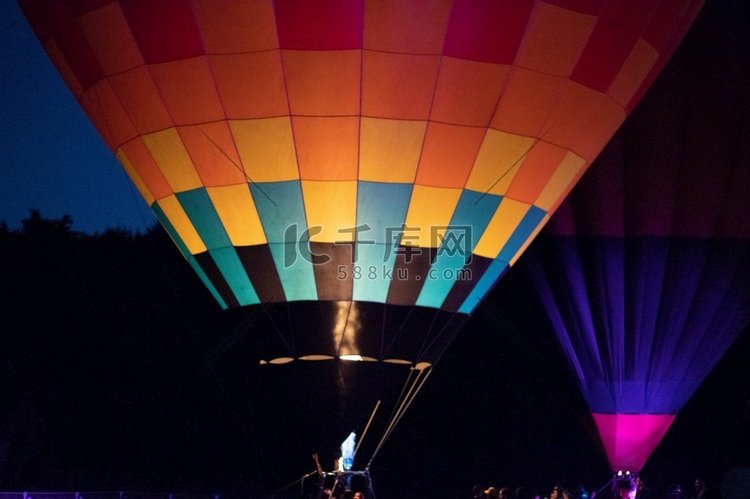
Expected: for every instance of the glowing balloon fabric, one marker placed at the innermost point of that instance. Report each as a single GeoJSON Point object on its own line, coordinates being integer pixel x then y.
{"type": "Point", "coordinates": [629, 439]}
{"type": "Point", "coordinates": [643, 274]}
{"type": "Point", "coordinates": [395, 152]}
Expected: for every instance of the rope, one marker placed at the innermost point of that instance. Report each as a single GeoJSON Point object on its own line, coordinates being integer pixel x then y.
{"type": "Point", "coordinates": [367, 426]}
{"type": "Point", "coordinates": [411, 394]}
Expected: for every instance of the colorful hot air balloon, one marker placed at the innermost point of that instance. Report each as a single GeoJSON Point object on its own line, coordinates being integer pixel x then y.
{"type": "Point", "coordinates": [364, 171]}
{"type": "Point", "coordinates": [356, 152]}
{"type": "Point", "coordinates": [643, 271]}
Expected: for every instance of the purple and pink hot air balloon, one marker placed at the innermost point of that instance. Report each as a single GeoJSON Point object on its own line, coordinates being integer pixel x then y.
{"type": "Point", "coordinates": [643, 271]}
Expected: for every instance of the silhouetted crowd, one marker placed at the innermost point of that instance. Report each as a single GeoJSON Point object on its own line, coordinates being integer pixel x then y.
{"type": "Point", "coordinates": [625, 487]}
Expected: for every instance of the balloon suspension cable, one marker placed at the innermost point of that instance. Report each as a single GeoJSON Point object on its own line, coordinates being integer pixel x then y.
{"type": "Point", "coordinates": [403, 406]}
{"type": "Point", "coordinates": [409, 384]}
{"type": "Point", "coordinates": [367, 426]}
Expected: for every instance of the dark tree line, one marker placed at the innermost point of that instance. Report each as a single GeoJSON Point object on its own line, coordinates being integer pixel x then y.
{"type": "Point", "coordinates": [102, 371]}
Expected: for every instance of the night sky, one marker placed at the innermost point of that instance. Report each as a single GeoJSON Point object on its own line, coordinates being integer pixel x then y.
{"type": "Point", "coordinates": [479, 403]}
{"type": "Point", "coordinates": [52, 157]}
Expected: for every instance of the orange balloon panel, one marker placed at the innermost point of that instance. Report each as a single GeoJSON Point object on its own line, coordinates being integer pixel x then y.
{"type": "Point", "coordinates": [285, 144]}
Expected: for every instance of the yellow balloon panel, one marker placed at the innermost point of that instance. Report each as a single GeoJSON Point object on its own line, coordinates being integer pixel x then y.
{"type": "Point", "coordinates": [390, 149]}
{"type": "Point", "coordinates": [498, 161]}
{"type": "Point", "coordinates": [266, 148]}
{"type": "Point", "coordinates": [430, 212]}
{"type": "Point", "coordinates": [170, 155]}
{"type": "Point", "coordinates": [235, 207]}
{"type": "Point", "coordinates": [331, 208]}
{"type": "Point", "coordinates": [561, 182]}
{"type": "Point", "coordinates": [182, 224]}
{"type": "Point", "coordinates": [501, 227]}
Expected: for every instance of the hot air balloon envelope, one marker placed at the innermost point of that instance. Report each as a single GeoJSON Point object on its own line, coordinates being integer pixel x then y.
{"type": "Point", "coordinates": [643, 271]}
{"type": "Point", "coordinates": [394, 152]}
